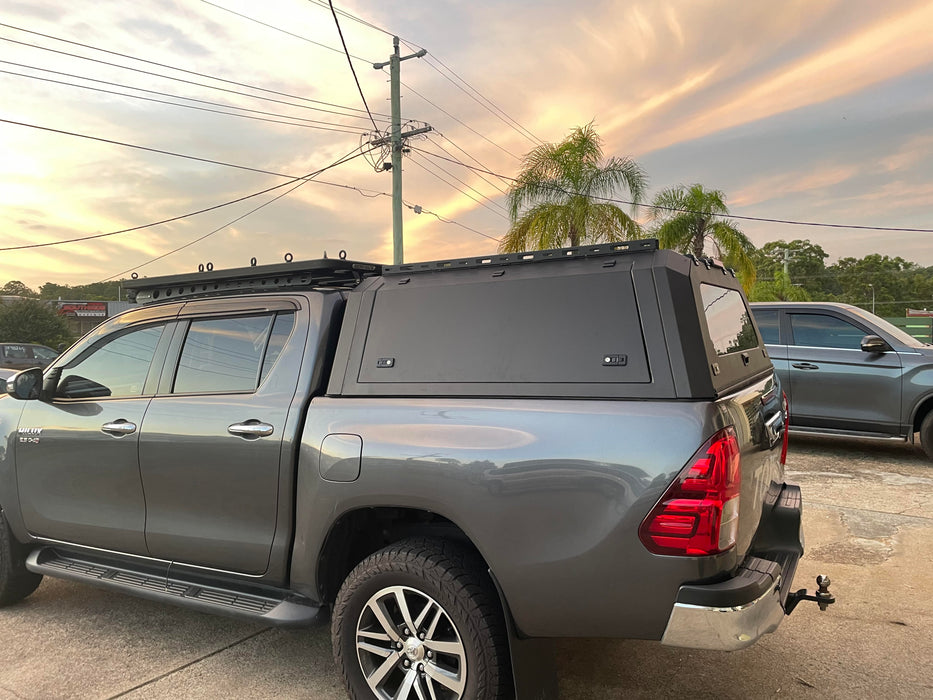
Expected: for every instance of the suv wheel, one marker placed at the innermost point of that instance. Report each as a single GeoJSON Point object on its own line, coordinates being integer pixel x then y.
{"type": "Point", "coordinates": [421, 619]}
{"type": "Point", "coordinates": [926, 434]}
{"type": "Point", "coordinates": [16, 582]}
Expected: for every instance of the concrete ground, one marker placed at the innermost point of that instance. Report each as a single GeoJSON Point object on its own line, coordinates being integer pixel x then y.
{"type": "Point", "coordinates": [868, 521]}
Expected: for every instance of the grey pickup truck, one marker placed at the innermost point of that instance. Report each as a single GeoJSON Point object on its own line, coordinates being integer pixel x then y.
{"type": "Point", "coordinates": [452, 459]}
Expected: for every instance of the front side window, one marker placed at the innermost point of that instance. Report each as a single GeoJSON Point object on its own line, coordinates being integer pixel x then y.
{"type": "Point", "coordinates": [114, 367]}
{"type": "Point", "coordinates": [44, 353]}
{"type": "Point", "coordinates": [822, 331]}
{"type": "Point", "coordinates": [221, 355]}
{"type": "Point", "coordinates": [727, 318]}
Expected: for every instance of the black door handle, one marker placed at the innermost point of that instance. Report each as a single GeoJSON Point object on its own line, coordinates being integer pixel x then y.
{"type": "Point", "coordinates": [805, 365]}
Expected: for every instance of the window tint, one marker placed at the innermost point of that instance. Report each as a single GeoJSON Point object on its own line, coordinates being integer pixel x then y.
{"type": "Point", "coordinates": [767, 320]}
{"type": "Point", "coordinates": [281, 329]}
{"type": "Point", "coordinates": [222, 355]}
{"type": "Point", "coordinates": [44, 353]}
{"type": "Point", "coordinates": [728, 320]}
{"type": "Point", "coordinates": [115, 366]}
{"type": "Point", "coordinates": [821, 331]}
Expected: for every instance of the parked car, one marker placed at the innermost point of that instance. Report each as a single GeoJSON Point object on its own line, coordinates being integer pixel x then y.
{"type": "Point", "coordinates": [452, 457]}
{"type": "Point", "coordinates": [849, 372]}
{"type": "Point", "coordinates": [25, 355]}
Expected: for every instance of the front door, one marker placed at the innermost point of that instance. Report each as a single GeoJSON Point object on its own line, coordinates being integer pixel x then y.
{"type": "Point", "coordinates": [211, 442]}
{"type": "Point", "coordinates": [837, 385]}
{"type": "Point", "coordinates": [77, 461]}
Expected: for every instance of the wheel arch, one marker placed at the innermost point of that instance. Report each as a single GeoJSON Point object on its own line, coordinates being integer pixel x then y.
{"type": "Point", "coordinates": [922, 408]}
{"type": "Point", "coordinates": [360, 532]}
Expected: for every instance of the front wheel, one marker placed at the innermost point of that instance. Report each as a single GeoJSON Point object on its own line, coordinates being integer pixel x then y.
{"type": "Point", "coordinates": [16, 582]}
{"type": "Point", "coordinates": [420, 619]}
{"type": "Point", "coordinates": [926, 435]}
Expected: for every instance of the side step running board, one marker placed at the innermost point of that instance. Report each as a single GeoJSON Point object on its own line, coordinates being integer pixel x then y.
{"type": "Point", "coordinates": [272, 606]}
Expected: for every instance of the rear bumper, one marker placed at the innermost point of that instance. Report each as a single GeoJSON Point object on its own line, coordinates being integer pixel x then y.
{"type": "Point", "coordinates": [729, 627]}
{"type": "Point", "coordinates": [733, 614]}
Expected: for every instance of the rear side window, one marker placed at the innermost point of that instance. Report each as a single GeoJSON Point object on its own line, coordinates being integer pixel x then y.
{"type": "Point", "coordinates": [767, 320]}
{"type": "Point", "coordinates": [728, 320]}
{"type": "Point", "coordinates": [221, 355]}
{"type": "Point", "coordinates": [822, 331]}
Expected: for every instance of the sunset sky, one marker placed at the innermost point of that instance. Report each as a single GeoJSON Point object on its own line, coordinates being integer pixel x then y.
{"type": "Point", "coordinates": [815, 111]}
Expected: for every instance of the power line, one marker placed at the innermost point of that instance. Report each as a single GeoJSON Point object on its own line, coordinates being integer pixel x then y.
{"type": "Point", "coordinates": [311, 125]}
{"type": "Point", "coordinates": [471, 157]}
{"type": "Point", "coordinates": [350, 63]}
{"type": "Point", "coordinates": [789, 222]}
{"type": "Point", "coordinates": [170, 67]}
{"type": "Point", "coordinates": [344, 13]}
{"type": "Point", "coordinates": [304, 181]}
{"type": "Point", "coordinates": [453, 186]}
{"type": "Point", "coordinates": [502, 209]}
{"type": "Point", "coordinates": [285, 31]}
{"type": "Point", "coordinates": [144, 148]}
{"type": "Point", "coordinates": [189, 214]}
{"type": "Point", "coordinates": [463, 124]}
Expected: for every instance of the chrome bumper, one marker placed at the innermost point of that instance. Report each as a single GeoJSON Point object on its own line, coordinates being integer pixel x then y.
{"type": "Point", "coordinates": [725, 628]}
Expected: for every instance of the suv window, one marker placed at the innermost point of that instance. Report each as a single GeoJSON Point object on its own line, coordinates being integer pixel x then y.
{"type": "Point", "coordinates": [223, 354]}
{"type": "Point", "coordinates": [117, 367]}
{"type": "Point", "coordinates": [16, 352]}
{"type": "Point", "coordinates": [822, 331]}
{"type": "Point", "coordinates": [767, 320]}
{"type": "Point", "coordinates": [43, 353]}
{"type": "Point", "coordinates": [727, 317]}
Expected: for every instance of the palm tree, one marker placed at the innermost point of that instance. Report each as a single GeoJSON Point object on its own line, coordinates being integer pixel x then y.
{"type": "Point", "coordinates": [557, 184]}
{"type": "Point", "coordinates": [688, 218]}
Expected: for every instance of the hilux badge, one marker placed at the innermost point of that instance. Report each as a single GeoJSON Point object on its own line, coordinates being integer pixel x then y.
{"type": "Point", "coordinates": [30, 435]}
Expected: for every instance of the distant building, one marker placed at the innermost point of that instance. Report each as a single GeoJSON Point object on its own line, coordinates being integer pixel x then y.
{"type": "Point", "coordinates": [82, 316]}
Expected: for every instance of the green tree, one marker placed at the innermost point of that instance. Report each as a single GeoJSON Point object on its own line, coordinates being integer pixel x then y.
{"type": "Point", "coordinates": [778, 289]}
{"type": "Point", "coordinates": [32, 321]}
{"type": "Point", "coordinates": [805, 263]}
{"type": "Point", "coordinates": [552, 202]}
{"type": "Point", "coordinates": [15, 288]}
{"type": "Point", "coordinates": [96, 291]}
{"type": "Point", "coordinates": [687, 218]}
{"type": "Point", "coordinates": [895, 283]}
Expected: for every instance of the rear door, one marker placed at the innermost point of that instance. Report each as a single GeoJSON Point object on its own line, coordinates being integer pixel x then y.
{"type": "Point", "coordinates": [834, 383]}
{"type": "Point", "coordinates": [211, 440]}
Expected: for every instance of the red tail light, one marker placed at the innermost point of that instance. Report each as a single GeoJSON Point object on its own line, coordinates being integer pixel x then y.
{"type": "Point", "coordinates": [786, 407]}
{"type": "Point", "coordinates": [699, 514]}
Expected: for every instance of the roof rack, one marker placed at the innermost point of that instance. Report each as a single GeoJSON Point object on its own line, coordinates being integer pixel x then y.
{"type": "Point", "coordinates": [307, 274]}
{"type": "Point", "coordinates": [587, 251]}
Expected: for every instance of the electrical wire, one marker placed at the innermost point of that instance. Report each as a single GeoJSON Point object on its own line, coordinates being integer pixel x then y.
{"type": "Point", "coordinates": [485, 168]}
{"type": "Point", "coordinates": [789, 222]}
{"type": "Point", "coordinates": [312, 125]}
{"type": "Point", "coordinates": [292, 179]}
{"type": "Point", "coordinates": [502, 210]}
{"type": "Point", "coordinates": [350, 63]}
{"type": "Point", "coordinates": [344, 13]}
{"type": "Point", "coordinates": [461, 191]}
{"type": "Point", "coordinates": [478, 174]}
{"type": "Point", "coordinates": [285, 31]}
{"type": "Point", "coordinates": [171, 67]}
{"type": "Point", "coordinates": [461, 123]}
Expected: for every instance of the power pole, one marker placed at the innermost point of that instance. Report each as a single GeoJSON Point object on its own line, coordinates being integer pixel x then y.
{"type": "Point", "coordinates": [396, 140]}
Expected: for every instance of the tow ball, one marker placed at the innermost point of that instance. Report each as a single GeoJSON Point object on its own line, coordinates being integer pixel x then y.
{"type": "Point", "coordinates": [822, 597]}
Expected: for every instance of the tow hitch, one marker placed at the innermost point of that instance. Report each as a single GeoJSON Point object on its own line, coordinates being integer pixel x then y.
{"type": "Point", "coordinates": [822, 597]}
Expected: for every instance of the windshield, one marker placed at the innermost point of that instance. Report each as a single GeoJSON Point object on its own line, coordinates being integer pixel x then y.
{"type": "Point", "coordinates": [898, 334]}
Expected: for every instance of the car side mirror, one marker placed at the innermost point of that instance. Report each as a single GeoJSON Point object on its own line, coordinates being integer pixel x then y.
{"type": "Point", "coordinates": [874, 343]}
{"type": "Point", "coordinates": [25, 385]}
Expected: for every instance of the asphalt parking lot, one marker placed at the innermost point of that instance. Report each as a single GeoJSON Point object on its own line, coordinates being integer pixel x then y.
{"type": "Point", "coordinates": [868, 522]}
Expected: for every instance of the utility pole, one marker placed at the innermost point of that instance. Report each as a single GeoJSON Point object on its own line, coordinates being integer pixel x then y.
{"type": "Point", "coordinates": [396, 139]}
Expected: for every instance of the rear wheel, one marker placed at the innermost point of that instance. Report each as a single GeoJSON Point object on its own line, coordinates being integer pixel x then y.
{"type": "Point", "coordinates": [420, 619]}
{"type": "Point", "coordinates": [16, 582]}
{"type": "Point", "coordinates": [926, 434]}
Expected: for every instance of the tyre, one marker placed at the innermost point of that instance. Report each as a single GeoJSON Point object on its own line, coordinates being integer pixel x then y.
{"type": "Point", "coordinates": [16, 582]}
{"type": "Point", "coordinates": [420, 619]}
{"type": "Point", "coordinates": [926, 434]}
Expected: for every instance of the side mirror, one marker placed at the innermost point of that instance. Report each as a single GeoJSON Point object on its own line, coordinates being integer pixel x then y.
{"type": "Point", "coordinates": [873, 343]}
{"type": "Point", "coordinates": [25, 385]}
